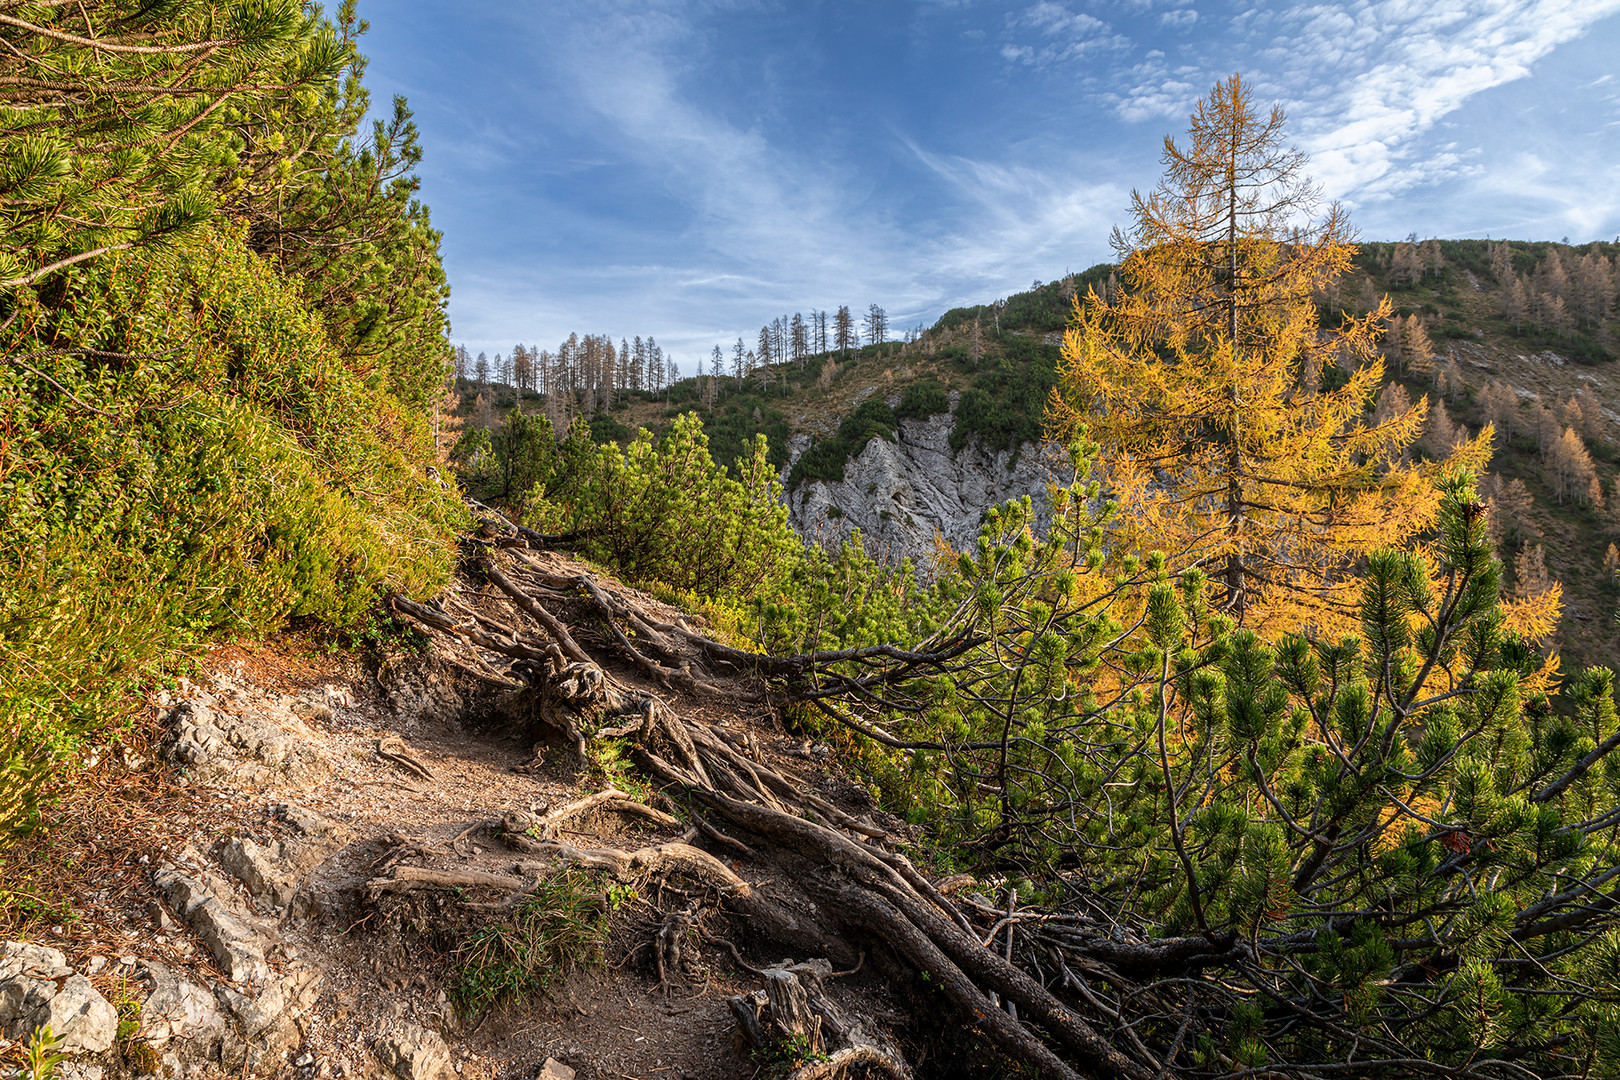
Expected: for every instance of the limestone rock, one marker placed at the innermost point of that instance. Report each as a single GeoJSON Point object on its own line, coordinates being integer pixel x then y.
{"type": "Point", "coordinates": [78, 1015]}
{"type": "Point", "coordinates": [235, 947]}
{"type": "Point", "coordinates": [307, 823]}
{"type": "Point", "coordinates": [554, 1070]}
{"type": "Point", "coordinates": [259, 868]}
{"type": "Point", "coordinates": [39, 989]}
{"type": "Point", "coordinates": [182, 1012]}
{"type": "Point", "coordinates": [19, 958]}
{"type": "Point", "coordinates": [900, 494]}
{"type": "Point", "coordinates": [217, 747]}
{"type": "Point", "coordinates": [265, 1026]}
{"type": "Point", "coordinates": [201, 1032]}
{"type": "Point", "coordinates": [414, 1053]}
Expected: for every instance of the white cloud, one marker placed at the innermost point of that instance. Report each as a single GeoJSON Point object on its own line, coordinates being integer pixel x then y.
{"type": "Point", "coordinates": [1402, 67]}
{"type": "Point", "coordinates": [1063, 35]}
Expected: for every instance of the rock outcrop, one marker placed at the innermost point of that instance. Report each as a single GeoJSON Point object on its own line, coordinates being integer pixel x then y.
{"type": "Point", "coordinates": [904, 493]}
{"type": "Point", "coordinates": [217, 747]}
{"type": "Point", "coordinates": [38, 989]}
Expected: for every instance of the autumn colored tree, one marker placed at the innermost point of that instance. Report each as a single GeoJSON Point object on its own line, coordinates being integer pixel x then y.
{"type": "Point", "coordinates": [1190, 377]}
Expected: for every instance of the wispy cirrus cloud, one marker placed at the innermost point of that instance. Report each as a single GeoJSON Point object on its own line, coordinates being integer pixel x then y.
{"type": "Point", "coordinates": [1054, 34]}
{"type": "Point", "coordinates": [691, 168]}
{"type": "Point", "coordinates": [1405, 66]}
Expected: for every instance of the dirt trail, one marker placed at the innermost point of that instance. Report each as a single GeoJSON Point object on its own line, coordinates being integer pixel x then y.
{"type": "Point", "coordinates": [325, 823]}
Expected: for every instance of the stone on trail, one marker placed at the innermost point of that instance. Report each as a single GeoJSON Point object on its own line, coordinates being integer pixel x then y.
{"type": "Point", "coordinates": [414, 1053]}
{"type": "Point", "coordinates": [554, 1070]}
{"type": "Point", "coordinates": [39, 989]}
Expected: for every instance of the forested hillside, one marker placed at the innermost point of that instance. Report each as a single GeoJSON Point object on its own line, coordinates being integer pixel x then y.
{"type": "Point", "coordinates": [223, 318]}
{"type": "Point", "coordinates": [1282, 765]}
{"type": "Point", "coordinates": [1509, 333]}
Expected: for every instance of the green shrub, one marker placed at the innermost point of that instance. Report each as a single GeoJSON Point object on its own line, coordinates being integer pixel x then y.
{"type": "Point", "coordinates": [825, 459]}
{"type": "Point", "coordinates": [922, 400]}
{"type": "Point", "coordinates": [662, 512]}
{"type": "Point", "coordinates": [215, 469]}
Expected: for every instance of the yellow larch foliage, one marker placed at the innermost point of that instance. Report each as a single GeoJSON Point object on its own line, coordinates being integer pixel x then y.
{"type": "Point", "coordinates": [1196, 377]}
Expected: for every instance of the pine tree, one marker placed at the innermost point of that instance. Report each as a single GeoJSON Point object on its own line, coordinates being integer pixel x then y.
{"type": "Point", "coordinates": [1440, 434]}
{"type": "Point", "coordinates": [877, 325]}
{"type": "Point", "coordinates": [1405, 267]}
{"type": "Point", "coordinates": [1501, 263]}
{"type": "Point", "coordinates": [1190, 381]}
{"type": "Point", "coordinates": [1515, 302]}
{"type": "Point", "coordinates": [844, 330]}
{"type": "Point", "coordinates": [1571, 466]}
{"type": "Point", "coordinates": [1417, 350]}
{"type": "Point", "coordinates": [522, 367]}
{"type": "Point", "coordinates": [1592, 420]}
{"type": "Point", "coordinates": [763, 353]}
{"type": "Point", "coordinates": [800, 340]}
{"type": "Point", "coordinates": [1531, 577]}
{"type": "Point", "coordinates": [1546, 426]}
{"type": "Point", "coordinates": [1501, 407]}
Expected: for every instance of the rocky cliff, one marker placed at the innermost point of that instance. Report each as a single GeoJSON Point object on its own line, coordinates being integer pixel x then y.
{"type": "Point", "coordinates": [905, 493]}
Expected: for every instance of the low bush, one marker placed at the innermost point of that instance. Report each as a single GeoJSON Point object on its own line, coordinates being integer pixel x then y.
{"type": "Point", "coordinates": [183, 455]}
{"type": "Point", "coordinates": [660, 511]}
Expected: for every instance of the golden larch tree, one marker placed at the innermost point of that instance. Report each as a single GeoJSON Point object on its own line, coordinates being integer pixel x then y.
{"type": "Point", "coordinates": [1192, 377]}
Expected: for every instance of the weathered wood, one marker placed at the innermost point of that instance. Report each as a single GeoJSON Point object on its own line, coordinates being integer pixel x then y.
{"type": "Point", "coordinates": [553, 625]}
{"type": "Point", "coordinates": [409, 878]}
{"type": "Point", "coordinates": [840, 1062]}
{"type": "Point", "coordinates": [790, 1009]}
{"type": "Point", "coordinates": [545, 825]}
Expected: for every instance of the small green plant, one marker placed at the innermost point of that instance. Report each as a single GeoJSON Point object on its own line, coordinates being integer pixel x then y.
{"type": "Point", "coordinates": [786, 1056]}
{"type": "Point", "coordinates": [559, 929]}
{"type": "Point", "coordinates": [41, 1058]}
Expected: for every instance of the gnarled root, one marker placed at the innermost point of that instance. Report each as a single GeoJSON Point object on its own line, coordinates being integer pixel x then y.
{"type": "Point", "coordinates": [865, 890]}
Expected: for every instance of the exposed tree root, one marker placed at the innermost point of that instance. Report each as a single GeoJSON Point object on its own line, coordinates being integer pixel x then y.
{"type": "Point", "coordinates": [393, 749]}
{"type": "Point", "coordinates": [859, 888]}
{"type": "Point", "coordinates": [544, 826]}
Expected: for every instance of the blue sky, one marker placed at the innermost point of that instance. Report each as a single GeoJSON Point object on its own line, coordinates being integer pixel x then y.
{"type": "Point", "coordinates": [691, 168]}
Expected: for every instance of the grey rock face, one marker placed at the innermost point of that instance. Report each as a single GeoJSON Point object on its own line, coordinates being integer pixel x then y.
{"type": "Point", "coordinates": [903, 494]}
{"type": "Point", "coordinates": [259, 868]}
{"type": "Point", "coordinates": [235, 947]}
{"type": "Point", "coordinates": [307, 823]}
{"type": "Point", "coordinates": [422, 688]}
{"type": "Point", "coordinates": [181, 1012]}
{"type": "Point", "coordinates": [414, 1053]}
{"type": "Point", "coordinates": [201, 1032]}
{"type": "Point", "coordinates": [217, 747]}
{"type": "Point", "coordinates": [39, 989]}
{"type": "Point", "coordinates": [265, 1026]}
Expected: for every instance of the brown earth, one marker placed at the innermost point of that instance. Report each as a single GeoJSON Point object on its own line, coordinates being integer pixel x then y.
{"type": "Point", "coordinates": [93, 871]}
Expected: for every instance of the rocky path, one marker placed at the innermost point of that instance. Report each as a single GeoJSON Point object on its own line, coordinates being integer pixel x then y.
{"type": "Point", "coordinates": [249, 945]}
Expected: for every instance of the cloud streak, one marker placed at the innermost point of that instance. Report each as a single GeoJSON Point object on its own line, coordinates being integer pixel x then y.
{"type": "Point", "coordinates": [690, 168]}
